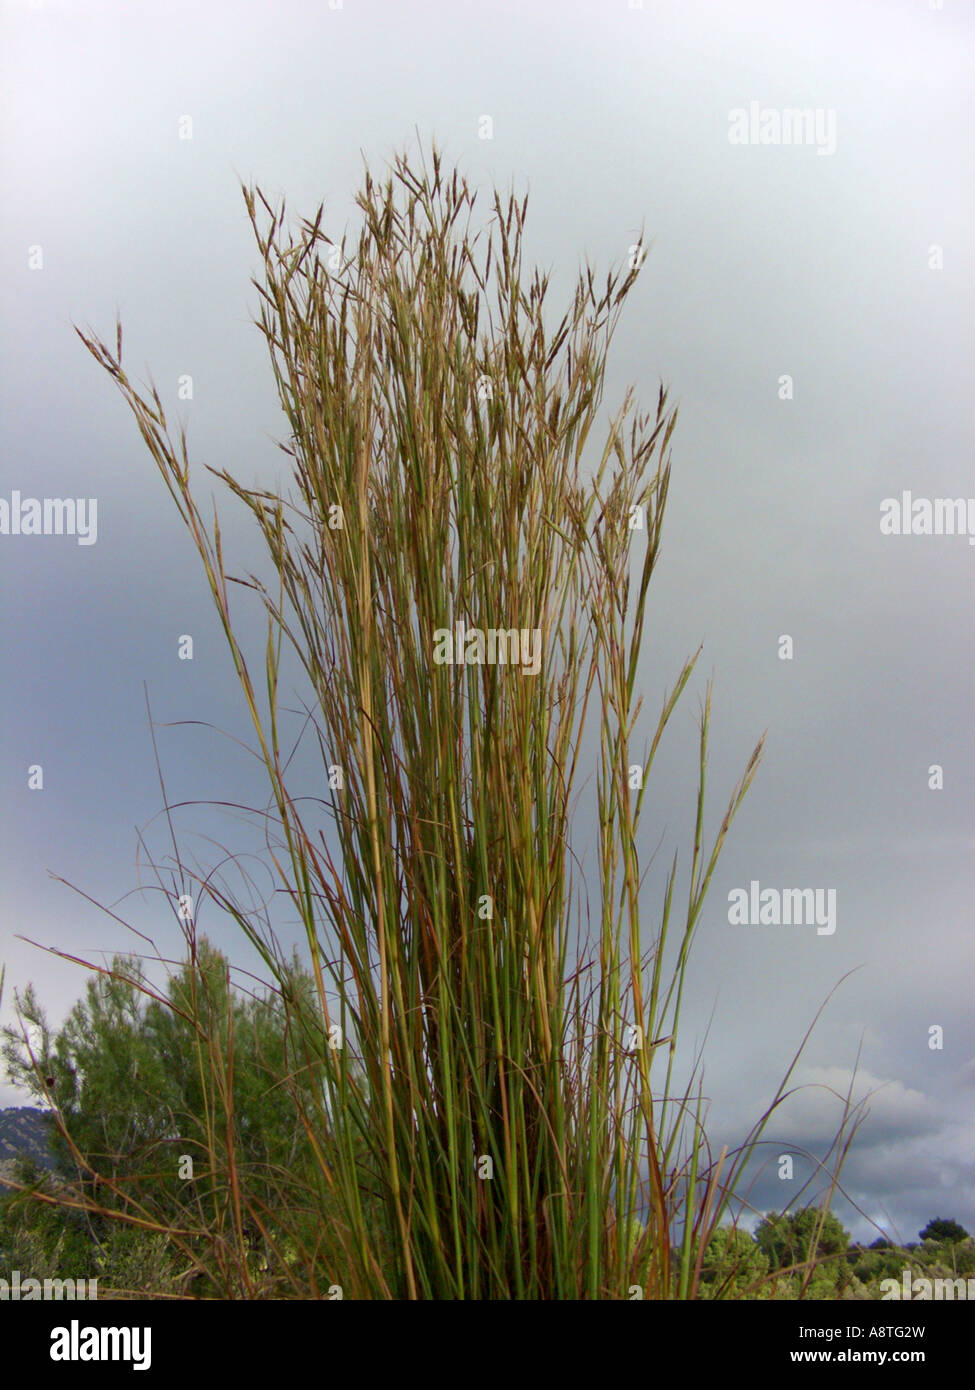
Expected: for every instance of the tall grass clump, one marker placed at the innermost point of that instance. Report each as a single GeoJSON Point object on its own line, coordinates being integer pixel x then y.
{"type": "Point", "coordinates": [497, 1114]}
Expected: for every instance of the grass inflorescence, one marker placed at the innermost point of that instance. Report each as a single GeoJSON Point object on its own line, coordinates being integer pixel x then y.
{"type": "Point", "coordinates": [482, 1069]}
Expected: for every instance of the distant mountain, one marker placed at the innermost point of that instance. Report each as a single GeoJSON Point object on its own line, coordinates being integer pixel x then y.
{"type": "Point", "coordinates": [25, 1132]}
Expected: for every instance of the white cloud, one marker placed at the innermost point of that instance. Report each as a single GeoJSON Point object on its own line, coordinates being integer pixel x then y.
{"type": "Point", "coordinates": [814, 1112]}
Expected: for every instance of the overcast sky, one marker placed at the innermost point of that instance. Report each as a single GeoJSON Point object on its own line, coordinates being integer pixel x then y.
{"type": "Point", "coordinates": [841, 260]}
